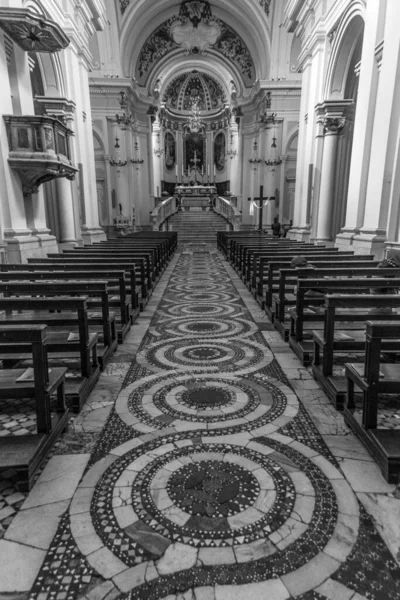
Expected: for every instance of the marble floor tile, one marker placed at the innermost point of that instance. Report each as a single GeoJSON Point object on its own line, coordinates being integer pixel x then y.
{"type": "Point", "coordinates": [217, 469]}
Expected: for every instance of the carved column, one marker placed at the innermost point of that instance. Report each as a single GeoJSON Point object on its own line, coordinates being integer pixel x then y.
{"type": "Point", "coordinates": [332, 128]}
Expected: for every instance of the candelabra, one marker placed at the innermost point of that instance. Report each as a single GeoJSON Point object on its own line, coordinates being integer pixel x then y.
{"type": "Point", "coordinates": [268, 119]}
{"type": "Point", "coordinates": [126, 119]}
{"type": "Point", "coordinates": [273, 161]}
{"type": "Point", "coordinates": [116, 160]}
{"type": "Point", "coordinates": [231, 153]}
{"type": "Point", "coordinates": [136, 160]}
{"type": "Point", "coordinates": [254, 160]}
{"type": "Point", "coordinates": [158, 151]}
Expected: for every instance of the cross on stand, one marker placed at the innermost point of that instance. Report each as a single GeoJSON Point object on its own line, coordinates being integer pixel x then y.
{"type": "Point", "coordinates": [261, 199]}
{"type": "Point", "coordinates": [195, 160]}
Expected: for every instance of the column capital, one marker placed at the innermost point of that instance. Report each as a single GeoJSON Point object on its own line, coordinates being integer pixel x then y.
{"type": "Point", "coordinates": [334, 124]}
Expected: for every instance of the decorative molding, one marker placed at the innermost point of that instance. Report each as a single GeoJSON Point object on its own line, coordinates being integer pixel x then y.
{"type": "Point", "coordinates": [186, 88]}
{"type": "Point", "coordinates": [265, 5]}
{"type": "Point", "coordinates": [195, 30]}
{"type": "Point", "coordinates": [123, 5]}
{"type": "Point", "coordinates": [334, 124]}
{"type": "Point", "coordinates": [39, 150]}
{"type": "Point", "coordinates": [31, 31]}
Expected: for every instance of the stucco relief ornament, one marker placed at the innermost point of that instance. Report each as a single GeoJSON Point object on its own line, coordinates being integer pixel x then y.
{"type": "Point", "coordinates": [334, 125]}
{"type": "Point", "coordinates": [195, 30]}
{"type": "Point", "coordinates": [31, 31]}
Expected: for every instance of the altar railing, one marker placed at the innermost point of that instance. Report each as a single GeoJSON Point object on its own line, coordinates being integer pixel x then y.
{"type": "Point", "coordinates": [162, 212]}
{"type": "Point", "coordinates": [227, 210]}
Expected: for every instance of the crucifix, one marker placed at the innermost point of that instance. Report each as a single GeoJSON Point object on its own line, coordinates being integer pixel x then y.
{"type": "Point", "coordinates": [261, 206]}
{"type": "Point", "coordinates": [195, 160]}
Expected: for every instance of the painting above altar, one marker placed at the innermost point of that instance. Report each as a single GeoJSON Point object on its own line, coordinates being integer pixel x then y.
{"type": "Point", "coordinates": [194, 143]}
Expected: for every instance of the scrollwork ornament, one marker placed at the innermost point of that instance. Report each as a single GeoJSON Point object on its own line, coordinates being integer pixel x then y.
{"type": "Point", "coordinates": [334, 125]}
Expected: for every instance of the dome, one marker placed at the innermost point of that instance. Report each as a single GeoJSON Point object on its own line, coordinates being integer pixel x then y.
{"type": "Point", "coordinates": [192, 87]}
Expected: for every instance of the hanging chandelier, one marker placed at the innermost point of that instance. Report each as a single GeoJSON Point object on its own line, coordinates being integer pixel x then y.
{"type": "Point", "coordinates": [254, 160]}
{"type": "Point", "coordinates": [136, 160]}
{"type": "Point", "coordinates": [158, 151]}
{"type": "Point", "coordinates": [273, 160]}
{"type": "Point", "coordinates": [231, 153]}
{"type": "Point", "coordinates": [124, 120]}
{"type": "Point", "coordinates": [268, 119]}
{"type": "Point", "coordinates": [194, 122]}
{"type": "Point", "coordinates": [116, 160]}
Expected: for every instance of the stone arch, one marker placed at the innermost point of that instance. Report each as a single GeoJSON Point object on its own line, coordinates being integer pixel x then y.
{"type": "Point", "coordinates": [341, 83]}
{"type": "Point", "coordinates": [289, 186]}
{"type": "Point", "coordinates": [102, 187]}
{"type": "Point", "coordinates": [346, 45]}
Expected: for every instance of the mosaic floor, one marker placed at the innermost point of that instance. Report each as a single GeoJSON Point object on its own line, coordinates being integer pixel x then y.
{"type": "Point", "coordinates": [216, 471]}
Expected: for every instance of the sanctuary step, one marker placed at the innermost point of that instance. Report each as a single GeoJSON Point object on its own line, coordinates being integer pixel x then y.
{"type": "Point", "coordinates": [193, 226]}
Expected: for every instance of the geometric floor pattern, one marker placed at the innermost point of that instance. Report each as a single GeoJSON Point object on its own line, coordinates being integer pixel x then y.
{"type": "Point", "coordinates": [209, 480]}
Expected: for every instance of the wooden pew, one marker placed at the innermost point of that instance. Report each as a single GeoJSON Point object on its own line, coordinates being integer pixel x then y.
{"type": "Point", "coordinates": [373, 378]}
{"type": "Point", "coordinates": [82, 352]}
{"type": "Point", "coordinates": [102, 322]}
{"type": "Point", "coordinates": [25, 453]}
{"type": "Point", "coordinates": [89, 264]}
{"type": "Point", "coordinates": [336, 337]}
{"type": "Point", "coordinates": [126, 306]}
{"type": "Point", "coordinates": [255, 271]}
{"type": "Point", "coordinates": [224, 238]}
{"type": "Point", "coordinates": [241, 255]}
{"type": "Point", "coordinates": [150, 272]}
{"type": "Point", "coordinates": [281, 280]}
{"type": "Point", "coordinates": [309, 312]}
{"type": "Point", "coordinates": [248, 266]}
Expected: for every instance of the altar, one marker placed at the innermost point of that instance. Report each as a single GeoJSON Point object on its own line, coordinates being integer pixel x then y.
{"type": "Point", "coordinates": [195, 197]}
{"type": "Point", "coordinates": [195, 190]}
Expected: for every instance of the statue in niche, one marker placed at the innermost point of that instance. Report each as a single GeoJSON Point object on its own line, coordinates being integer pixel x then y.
{"type": "Point", "coordinates": [219, 151]}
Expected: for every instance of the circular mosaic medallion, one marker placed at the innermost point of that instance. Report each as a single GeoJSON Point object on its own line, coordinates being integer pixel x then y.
{"type": "Point", "coordinates": [206, 397]}
{"type": "Point", "coordinates": [213, 488]}
{"type": "Point", "coordinates": [204, 298]}
{"type": "Point", "coordinates": [206, 328]}
{"type": "Point", "coordinates": [213, 310]}
{"type": "Point", "coordinates": [240, 356]}
{"type": "Point", "coordinates": [208, 402]}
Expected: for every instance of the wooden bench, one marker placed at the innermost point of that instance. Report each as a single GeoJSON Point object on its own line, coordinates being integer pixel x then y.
{"type": "Point", "coordinates": [25, 453]}
{"type": "Point", "coordinates": [279, 278]}
{"type": "Point", "coordinates": [135, 271]}
{"type": "Point", "coordinates": [103, 323]}
{"type": "Point", "coordinates": [309, 313]}
{"type": "Point", "coordinates": [146, 275]}
{"type": "Point", "coordinates": [80, 353]}
{"type": "Point", "coordinates": [224, 239]}
{"type": "Point", "coordinates": [125, 306]}
{"type": "Point", "coordinates": [373, 378]}
{"type": "Point", "coordinates": [335, 338]}
{"type": "Point", "coordinates": [251, 258]}
{"type": "Point", "coordinates": [256, 270]}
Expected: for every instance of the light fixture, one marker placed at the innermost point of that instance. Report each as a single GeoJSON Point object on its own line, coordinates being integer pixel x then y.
{"type": "Point", "coordinates": [136, 160]}
{"type": "Point", "coordinates": [268, 119]}
{"type": "Point", "coordinates": [116, 160]}
{"type": "Point", "coordinates": [158, 151]}
{"type": "Point", "coordinates": [126, 119]}
{"type": "Point", "coordinates": [254, 160]}
{"type": "Point", "coordinates": [273, 160]}
{"type": "Point", "coordinates": [195, 124]}
{"type": "Point", "coordinates": [231, 153]}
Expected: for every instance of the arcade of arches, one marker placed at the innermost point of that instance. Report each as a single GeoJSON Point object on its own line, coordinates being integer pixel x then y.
{"type": "Point", "coordinates": [114, 114]}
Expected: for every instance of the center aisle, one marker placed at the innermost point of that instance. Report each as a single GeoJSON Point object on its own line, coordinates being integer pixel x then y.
{"type": "Point", "coordinates": [210, 481]}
